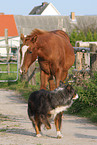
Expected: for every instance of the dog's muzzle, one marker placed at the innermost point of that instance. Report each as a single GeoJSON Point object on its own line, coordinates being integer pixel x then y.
{"type": "Point", "coordinates": [75, 97]}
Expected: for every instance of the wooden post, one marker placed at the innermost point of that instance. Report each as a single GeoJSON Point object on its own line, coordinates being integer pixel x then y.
{"type": "Point", "coordinates": [93, 59]}
{"type": "Point", "coordinates": [7, 48]}
{"type": "Point", "coordinates": [31, 75]}
{"type": "Point", "coordinates": [79, 56]}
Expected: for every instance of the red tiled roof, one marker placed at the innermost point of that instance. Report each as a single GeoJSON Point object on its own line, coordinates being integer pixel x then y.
{"type": "Point", "coordinates": [8, 22]}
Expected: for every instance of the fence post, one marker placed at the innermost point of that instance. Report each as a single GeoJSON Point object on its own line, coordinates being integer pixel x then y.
{"type": "Point", "coordinates": [7, 49]}
{"type": "Point", "coordinates": [79, 56]}
{"type": "Point", "coordinates": [31, 74]}
{"type": "Point", "coordinates": [93, 59]}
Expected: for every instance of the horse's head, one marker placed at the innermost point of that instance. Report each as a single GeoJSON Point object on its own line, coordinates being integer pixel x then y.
{"type": "Point", "coordinates": [28, 52]}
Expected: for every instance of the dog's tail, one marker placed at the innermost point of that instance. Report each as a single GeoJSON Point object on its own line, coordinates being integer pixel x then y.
{"type": "Point", "coordinates": [31, 109]}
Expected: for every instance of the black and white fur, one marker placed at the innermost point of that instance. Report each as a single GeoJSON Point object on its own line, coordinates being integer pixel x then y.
{"type": "Point", "coordinates": [43, 104]}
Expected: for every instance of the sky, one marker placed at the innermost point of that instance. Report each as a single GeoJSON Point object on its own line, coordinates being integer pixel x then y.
{"type": "Point", "coordinates": [65, 7]}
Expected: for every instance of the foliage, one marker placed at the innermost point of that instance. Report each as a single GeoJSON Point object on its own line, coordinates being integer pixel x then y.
{"type": "Point", "coordinates": [73, 37]}
{"type": "Point", "coordinates": [86, 105]}
{"type": "Point", "coordinates": [95, 36]}
{"type": "Point", "coordinates": [89, 36]}
{"type": "Point", "coordinates": [79, 35]}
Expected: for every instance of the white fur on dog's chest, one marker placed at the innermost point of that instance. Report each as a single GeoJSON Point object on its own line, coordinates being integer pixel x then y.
{"type": "Point", "coordinates": [58, 110]}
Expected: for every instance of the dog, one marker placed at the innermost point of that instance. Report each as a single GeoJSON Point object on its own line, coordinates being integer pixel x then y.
{"type": "Point", "coordinates": [43, 104]}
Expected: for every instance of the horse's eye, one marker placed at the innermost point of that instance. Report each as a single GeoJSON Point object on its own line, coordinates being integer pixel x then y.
{"type": "Point", "coordinates": [30, 52]}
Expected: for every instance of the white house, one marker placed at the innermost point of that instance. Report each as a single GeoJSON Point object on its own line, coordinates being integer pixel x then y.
{"type": "Point", "coordinates": [13, 43]}
{"type": "Point", "coordinates": [45, 9]}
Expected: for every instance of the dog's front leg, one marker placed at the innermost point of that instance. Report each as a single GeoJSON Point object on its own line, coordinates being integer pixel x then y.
{"type": "Point", "coordinates": [58, 120]}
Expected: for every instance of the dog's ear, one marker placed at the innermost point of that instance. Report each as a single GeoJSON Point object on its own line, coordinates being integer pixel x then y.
{"type": "Point", "coordinates": [61, 83]}
{"type": "Point", "coordinates": [68, 87]}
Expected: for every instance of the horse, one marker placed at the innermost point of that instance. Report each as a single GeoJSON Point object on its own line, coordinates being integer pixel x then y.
{"type": "Point", "coordinates": [54, 52]}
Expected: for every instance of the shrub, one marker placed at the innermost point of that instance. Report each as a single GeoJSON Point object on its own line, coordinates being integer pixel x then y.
{"type": "Point", "coordinates": [86, 105]}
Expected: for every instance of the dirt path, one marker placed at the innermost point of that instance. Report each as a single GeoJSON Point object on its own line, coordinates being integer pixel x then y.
{"type": "Point", "coordinates": [16, 128]}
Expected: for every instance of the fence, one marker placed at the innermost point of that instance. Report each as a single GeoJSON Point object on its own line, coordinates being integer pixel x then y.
{"type": "Point", "coordinates": [9, 65]}
{"type": "Point", "coordinates": [85, 62]}
{"type": "Point", "coordinates": [8, 61]}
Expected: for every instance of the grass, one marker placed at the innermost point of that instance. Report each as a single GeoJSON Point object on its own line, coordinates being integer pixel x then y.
{"type": "Point", "coordinates": [4, 118]}
{"type": "Point", "coordinates": [3, 130]}
{"type": "Point", "coordinates": [21, 86]}
{"type": "Point", "coordinates": [8, 76]}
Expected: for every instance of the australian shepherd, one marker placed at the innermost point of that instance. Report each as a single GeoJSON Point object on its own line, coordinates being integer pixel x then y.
{"type": "Point", "coordinates": [43, 105]}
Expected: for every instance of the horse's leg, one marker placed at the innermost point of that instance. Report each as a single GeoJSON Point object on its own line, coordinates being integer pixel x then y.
{"type": "Point", "coordinates": [64, 75]}
{"type": "Point", "coordinates": [51, 83]}
{"type": "Point", "coordinates": [58, 77]}
{"type": "Point", "coordinates": [44, 79]}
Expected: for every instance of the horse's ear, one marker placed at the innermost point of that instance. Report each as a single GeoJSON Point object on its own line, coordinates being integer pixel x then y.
{"type": "Point", "coordinates": [22, 37]}
{"type": "Point", "coordinates": [33, 39]}
{"type": "Point", "coordinates": [68, 87]}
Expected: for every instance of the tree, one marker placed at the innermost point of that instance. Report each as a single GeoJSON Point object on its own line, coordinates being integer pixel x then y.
{"type": "Point", "coordinates": [81, 36]}
{"type": "Point", "coordinates": [89, 36]}
{"type": "Point", "coordinates": [73, 37]}
{"type": "Point", "coordinates": [95, 36]}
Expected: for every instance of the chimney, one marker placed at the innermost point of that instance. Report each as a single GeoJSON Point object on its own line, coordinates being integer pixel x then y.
{"type": "Point", "coordinates": [72, 16]}
{"type": "Point", "coordinates": [44, 3]}
{"type": "Point", "coordinates": [1, 13]}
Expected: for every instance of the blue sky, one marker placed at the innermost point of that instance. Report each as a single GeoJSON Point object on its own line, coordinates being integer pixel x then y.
{"type": "Point", "coordinates": [65, 7]}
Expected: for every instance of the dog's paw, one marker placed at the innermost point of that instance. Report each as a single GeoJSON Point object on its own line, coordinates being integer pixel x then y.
{"type": "Point", "coordinates": [59, 135]}
{"type": "Point", "coordinates": [38, 135]}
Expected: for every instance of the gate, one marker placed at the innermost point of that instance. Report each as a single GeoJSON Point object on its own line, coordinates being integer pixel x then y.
{"type": "Point", "coordinates": [8, 63]}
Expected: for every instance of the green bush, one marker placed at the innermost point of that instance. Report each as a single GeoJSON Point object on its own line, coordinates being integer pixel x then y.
{"type": "Point", "coordinates": [79, 35]}
{"type": "Point", "coordinates": [86, 105]}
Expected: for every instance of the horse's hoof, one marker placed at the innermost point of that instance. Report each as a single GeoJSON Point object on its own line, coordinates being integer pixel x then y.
{"type": "Point", "coordinates": [38, 135]}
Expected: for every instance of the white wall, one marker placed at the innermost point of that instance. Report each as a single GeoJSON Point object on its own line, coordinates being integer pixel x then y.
{"type": "Point", "coordinates": [50, 10]}
{"type": "Point", "coordinates": [13, 42]}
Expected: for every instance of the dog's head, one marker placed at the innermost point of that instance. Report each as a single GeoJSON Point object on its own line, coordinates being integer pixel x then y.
{"type": "Point", "coordinates": [68, 91]}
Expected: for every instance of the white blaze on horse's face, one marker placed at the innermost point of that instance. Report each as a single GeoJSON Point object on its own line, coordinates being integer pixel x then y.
{"type": "Point", "coordinates": [24, 49]}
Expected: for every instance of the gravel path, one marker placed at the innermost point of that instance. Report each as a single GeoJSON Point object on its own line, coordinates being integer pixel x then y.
{"type": "Point", "coordinates": [16, 128]}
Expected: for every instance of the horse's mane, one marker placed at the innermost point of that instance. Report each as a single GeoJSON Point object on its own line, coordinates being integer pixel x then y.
{"type": "Point", "coordinates": [34, 32]}
{"type": "Point", "coordinates": [38, 32]}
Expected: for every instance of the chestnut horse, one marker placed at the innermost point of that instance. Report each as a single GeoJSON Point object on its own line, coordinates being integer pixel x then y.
{"type": "Point", "coordinates": [54, 52]}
